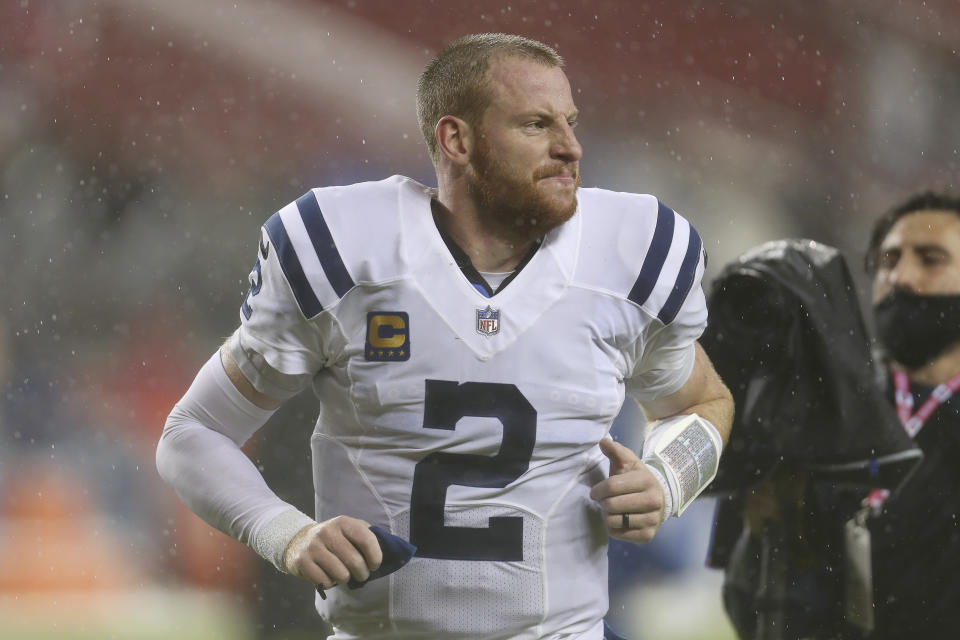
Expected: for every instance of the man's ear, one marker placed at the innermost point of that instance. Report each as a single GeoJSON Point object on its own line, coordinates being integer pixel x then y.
{"type": "Point", "coordinates": [454, 140]}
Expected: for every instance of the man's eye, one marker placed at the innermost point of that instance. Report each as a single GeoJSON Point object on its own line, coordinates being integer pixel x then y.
{"type": "Point", "coordinates": [888, 260]}
{"type": "Point", "coordinates": [934, 259]}
{"type": "Point", "coordinates": [573, 123]}
{"type": "Point", "coordinates": [538, 124]}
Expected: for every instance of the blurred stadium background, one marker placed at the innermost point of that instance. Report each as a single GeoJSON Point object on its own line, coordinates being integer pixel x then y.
{"type": "Point", "coordinates": [143, 142]}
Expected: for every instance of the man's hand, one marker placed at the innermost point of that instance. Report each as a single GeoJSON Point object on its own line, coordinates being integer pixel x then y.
{"type": "Point", "coordinates": [631, 489]}
{"type": "Point", "coordinates": [331, 552]}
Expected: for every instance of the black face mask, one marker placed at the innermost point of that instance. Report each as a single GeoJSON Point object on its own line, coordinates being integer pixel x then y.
{"type": "Point", "coordinates": [915, 329]}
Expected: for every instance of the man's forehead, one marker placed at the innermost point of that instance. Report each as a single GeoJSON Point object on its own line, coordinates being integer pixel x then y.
{"type": "Point", "coordinates": [512, 76]}
{"type": "Point", "coordinates": [936, 228]}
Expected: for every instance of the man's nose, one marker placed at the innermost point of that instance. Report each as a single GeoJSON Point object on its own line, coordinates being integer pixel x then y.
{"type": "Point", "coordinates": [907, 275]}
{"type": "Point", "coordinates": [565, 145]}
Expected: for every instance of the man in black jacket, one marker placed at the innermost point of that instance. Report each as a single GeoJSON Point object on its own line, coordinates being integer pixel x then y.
{"type": "Point", "coordinates": [813, 434]}
{"type": "Point", "coordinates": [914, 258]}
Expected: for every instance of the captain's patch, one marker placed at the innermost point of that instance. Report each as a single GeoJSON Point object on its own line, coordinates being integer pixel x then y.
{"type": "Point", "coordinates": [388, 336]}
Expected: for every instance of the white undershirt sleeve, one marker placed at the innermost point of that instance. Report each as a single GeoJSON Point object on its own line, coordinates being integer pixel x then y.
{"type": "Point", "coordinates": [200, 458]}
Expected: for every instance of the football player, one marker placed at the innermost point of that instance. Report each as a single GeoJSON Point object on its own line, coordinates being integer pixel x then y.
{"type": "Point", "coordinates": [470, 345]}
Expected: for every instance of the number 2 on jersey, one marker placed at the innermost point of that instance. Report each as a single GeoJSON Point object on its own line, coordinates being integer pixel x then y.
{"type": "Point", "coordinates": [256, 280]}
{"type": "Point", "coordinates": [445, 403]}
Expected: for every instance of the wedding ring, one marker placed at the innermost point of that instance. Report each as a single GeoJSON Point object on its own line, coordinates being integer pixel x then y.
{"type": "Point", "coordinates": [625, 517]}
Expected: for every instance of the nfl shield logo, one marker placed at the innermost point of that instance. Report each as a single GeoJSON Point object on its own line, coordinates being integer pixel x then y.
{"type": "Point", "coordinates": [488, 321]}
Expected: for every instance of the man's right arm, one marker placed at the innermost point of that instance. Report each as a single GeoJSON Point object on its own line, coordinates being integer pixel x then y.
{"type": "Point", "coordinates": [199, 456]}
{"type": "Point", "coordinates": [244, 386]}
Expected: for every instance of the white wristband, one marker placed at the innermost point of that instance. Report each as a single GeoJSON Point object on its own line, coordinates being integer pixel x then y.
{"type": "Point", "coordinates": [683, 452]}
{"type": "Point", "coordinates": [272, 539]}
{"type": "Point", "coordinates": [667, 494]}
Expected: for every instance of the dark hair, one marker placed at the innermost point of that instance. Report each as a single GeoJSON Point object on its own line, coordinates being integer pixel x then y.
{"type": "Point", "coordinates": [923, 201]}
{"type": "Point", "coordinates": [455, 82]}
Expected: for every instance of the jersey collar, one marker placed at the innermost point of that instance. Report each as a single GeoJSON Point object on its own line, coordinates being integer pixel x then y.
{"type": "Point", "coordinates": [463, 260]}
{"type": "Point", "coordinates": [438, 274]}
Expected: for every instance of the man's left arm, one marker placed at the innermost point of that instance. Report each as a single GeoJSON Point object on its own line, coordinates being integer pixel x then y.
{"type": "Point", "coordinates": [704, 394]}
{"type": "Point", "coordinates": [635, 496]}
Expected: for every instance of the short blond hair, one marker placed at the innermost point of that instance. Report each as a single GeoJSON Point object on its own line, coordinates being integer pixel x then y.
{"type": "Point", "coordinates": [455, 82]}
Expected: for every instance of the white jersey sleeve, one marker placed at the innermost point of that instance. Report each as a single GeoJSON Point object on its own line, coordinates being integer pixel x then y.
{"type": "Point", "coordinates": [668, 288]}
{"type": "Point", "coordinates": [643, 254]}
{"type": "Point", "coordinates": [285, 337]}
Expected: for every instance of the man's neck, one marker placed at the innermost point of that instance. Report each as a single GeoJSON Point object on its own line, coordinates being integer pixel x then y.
{"type": "Point", "coordinates": [487, 251]}
{"type": "Point", "coordinates": [938, 371]}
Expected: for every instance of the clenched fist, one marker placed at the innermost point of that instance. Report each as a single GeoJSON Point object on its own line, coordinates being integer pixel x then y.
{"type": "Point", "coordinates": [331, 552]}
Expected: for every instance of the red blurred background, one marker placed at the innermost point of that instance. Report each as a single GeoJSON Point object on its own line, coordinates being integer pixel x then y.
{"type": "Point", "coordinates": [142, 144]}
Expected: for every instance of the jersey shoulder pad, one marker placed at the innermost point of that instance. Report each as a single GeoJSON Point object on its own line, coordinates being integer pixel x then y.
{"type": "Point", "coordinates": [331, 238]}
{"type": "Point", "coordinates": [636, 247]}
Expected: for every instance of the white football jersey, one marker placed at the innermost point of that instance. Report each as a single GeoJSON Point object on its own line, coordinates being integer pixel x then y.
{"type": "Point", "coordinates": [470, 425]}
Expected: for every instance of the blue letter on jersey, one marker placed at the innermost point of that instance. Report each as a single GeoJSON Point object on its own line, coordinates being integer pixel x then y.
{"type": "Point", "coordinates": [256, 282]}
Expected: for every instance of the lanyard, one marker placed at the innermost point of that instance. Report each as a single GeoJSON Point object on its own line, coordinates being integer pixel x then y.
{"type": "Point", "coordinates": [913, 422]}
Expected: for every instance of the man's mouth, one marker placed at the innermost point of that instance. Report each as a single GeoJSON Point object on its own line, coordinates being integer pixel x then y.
{"type": "Point", "coordinates": [562, 177]}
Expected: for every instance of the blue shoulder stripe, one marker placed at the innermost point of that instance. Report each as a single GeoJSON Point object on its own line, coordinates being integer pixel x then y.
{"type": "Point", "coordinates": [292, 268]}
{"type": "Point", "coordinates": [656, 255]}
{"type": "Point", "coordinates": [688, 272]}
{"type": "Point", "coordinates": [323, 244]}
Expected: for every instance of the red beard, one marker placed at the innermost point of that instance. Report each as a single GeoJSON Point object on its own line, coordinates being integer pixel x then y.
{"type": "Point", "coordinates": [512, 205]}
